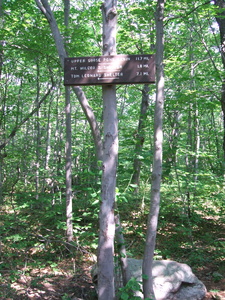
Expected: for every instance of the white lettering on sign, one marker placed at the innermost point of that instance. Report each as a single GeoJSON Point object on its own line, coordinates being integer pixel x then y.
{"type": "Point", "coordinates": [142, 58]}
{"type": "Point", "coordinates": [109, 67]}
{"type": "Point", "coordinates": [75, 76]}
{"type": "Point", "coordinates": [87, 75]}
{"type": "Point", "coordinates": [117, 58]}
{"type": "Point", "coordinates": [117, 74]}
{"type": "Point", "coordinates": [78, 60]}
{"type": "Point", "coordinates": [142, 73]}
{"type": "Point", "coordinates": [93, 59]}
{"type": "Point", "coordinates": [87, 68]}
{"type": "Point", "coordinates": [142, 66]}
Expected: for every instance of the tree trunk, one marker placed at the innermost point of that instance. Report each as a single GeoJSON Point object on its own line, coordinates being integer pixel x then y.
{"type": "Point", "coordinates": [38, 138]}
{"type": "Point", "coordinates": [109, 165]}
{"type": "Point", "coordinates": [66, 13]}
{"type": "Point", "coordinates": [157, 162]}
{"type": "Point", "coordinates": [1, 114]}
{"type": "Point", "coordinates": [44, 7]}
{"type": "Point", "coordinates": [220, 18]}
{"type": "Point", "coordinates": [1, 41]}
{"type": "Point", "coordinates": [122, 251]}
{"type": "Point", "coordinates": [1, 178]}
{"type": "Point", "coordinates": [48, 139]}
{"type": "Point", "coordinates": [140, 137]}
{"type": "Point", "coordinates": [170, 159]}
{"type": "Point", "coordinates": [69, 197]}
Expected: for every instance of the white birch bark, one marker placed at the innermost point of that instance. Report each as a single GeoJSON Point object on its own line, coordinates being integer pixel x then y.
{"type": "Point", "coordinates": [157, 160]}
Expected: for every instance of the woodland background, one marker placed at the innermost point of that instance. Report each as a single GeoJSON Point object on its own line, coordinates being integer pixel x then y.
{"type": "Point", "coordinates": [36, 259]}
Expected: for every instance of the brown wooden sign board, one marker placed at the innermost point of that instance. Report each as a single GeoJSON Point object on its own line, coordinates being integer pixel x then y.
{"type": "Point", "coordinates": [114, 69]}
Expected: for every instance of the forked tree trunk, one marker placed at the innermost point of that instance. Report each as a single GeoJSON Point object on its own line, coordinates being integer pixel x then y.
{"type": "Point", "coordinates": [45, 8]}
{"type": "Point", "coordinates": [157, 162]}
{"type": "Point", "coordinates": [106, 288]}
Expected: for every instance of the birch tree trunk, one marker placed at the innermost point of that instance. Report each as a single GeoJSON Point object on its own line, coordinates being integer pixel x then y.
{"type": "Point", "coordinates": [109, 165]}
{"type": "Point", "coordinates": [157, 162]}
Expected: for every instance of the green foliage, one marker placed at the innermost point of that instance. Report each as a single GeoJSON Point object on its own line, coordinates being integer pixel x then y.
{"type": "Point", "coordinates": [66, 297]}
{"type": "Point", "coordinates": [127, 292]}
{"type": "Point", "coordinates": [217, 276]}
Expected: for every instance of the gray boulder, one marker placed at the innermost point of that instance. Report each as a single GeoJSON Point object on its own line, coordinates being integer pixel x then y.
{"type": "Point", "coordinates": [171, 280]}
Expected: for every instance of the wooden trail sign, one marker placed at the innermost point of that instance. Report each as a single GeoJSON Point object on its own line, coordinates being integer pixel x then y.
{"type": "Point", "coordinates": [113, 69]}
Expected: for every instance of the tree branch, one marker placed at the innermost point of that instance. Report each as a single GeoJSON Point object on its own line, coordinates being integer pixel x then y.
{"type": "Point", "coordinates": [18, 126]}
{"type": "Point", "coordinates": [187, 14]}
